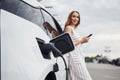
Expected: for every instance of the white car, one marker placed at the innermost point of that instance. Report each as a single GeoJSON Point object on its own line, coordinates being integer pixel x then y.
{"type": "Point", "coordinates": [26, 52]}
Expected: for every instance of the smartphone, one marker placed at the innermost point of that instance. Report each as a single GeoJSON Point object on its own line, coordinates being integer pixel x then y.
{"type": "Point", "coordinates": [90, 35]}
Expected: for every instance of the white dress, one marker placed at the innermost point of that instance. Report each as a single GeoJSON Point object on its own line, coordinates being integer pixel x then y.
{"type": "Point", "coordinates": [76, 63]}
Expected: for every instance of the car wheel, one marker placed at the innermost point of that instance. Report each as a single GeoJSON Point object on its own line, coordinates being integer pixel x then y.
{"type": "Point", "coordinates": [51, 76]}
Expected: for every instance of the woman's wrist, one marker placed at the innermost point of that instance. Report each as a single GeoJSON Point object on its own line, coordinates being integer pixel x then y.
{"type": "Point", "coordinates": [81, 42]}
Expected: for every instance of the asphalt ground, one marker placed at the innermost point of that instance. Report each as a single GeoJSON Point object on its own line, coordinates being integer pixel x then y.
{"type": "Point", "coordinates": [103, 71]}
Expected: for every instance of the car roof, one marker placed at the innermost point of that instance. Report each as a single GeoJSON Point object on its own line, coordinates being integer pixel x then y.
{"type": "Point", "coordinates": [34, 3]}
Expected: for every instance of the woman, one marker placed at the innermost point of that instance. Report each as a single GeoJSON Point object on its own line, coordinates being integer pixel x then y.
{"type": "Point", "coordinates": [76, 63]}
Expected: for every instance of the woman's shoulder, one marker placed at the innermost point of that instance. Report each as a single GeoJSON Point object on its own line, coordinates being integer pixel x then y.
{"type": "Point", "coordinates": [69, 26]}
{"type": "Point", "coordinates": [68, 29]}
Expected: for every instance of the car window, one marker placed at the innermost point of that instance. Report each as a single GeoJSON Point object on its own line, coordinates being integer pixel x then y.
{"type": "Point", "coordinates": [10, 5]}
{"type": "Point", "coordinates": [24, 10]}
{"type": "Point", "coordinates": [49, 25]}
{"type": "Point", "coordinates": [52, 33]}
{"type": "Point", "coordinates": [32, 14]}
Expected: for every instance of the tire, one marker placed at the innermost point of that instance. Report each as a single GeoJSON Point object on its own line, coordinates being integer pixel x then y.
{"type": "Point", "coordinates": [51, 76]}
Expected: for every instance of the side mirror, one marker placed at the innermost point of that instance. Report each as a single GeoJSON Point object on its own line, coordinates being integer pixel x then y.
{"type": "Point", "coordinates": [63, 43]}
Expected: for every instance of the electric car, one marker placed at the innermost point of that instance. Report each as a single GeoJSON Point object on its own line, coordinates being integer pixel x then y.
{"type": "Point", "coordinates": [27, 50]}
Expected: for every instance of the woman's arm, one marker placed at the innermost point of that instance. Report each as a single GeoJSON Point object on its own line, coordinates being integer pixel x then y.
{"type": "Point", "coordinates": [81, 41]}
{"type": "Point", "coordinates": [77, 42]}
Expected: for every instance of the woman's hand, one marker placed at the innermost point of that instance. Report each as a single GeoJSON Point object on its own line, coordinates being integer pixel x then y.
{"type": "Point", "coordinates": [81, 41]}
{"type": "Point", "coordinates": [84, 40]}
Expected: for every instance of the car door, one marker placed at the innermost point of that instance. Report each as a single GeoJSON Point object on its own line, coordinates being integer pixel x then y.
{"type": "Point", "coordinates": [21, 57]}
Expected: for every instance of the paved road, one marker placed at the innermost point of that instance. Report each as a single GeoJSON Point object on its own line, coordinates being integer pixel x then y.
{"type": "Point", "coordinates": [103, 71]}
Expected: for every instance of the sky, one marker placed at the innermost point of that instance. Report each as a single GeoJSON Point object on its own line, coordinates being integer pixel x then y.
{"type": "Point", "coordinates": [98, 17]}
